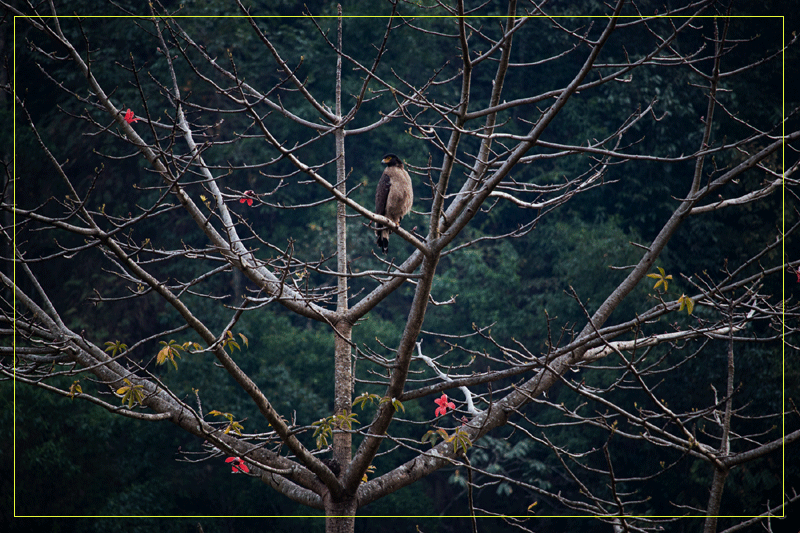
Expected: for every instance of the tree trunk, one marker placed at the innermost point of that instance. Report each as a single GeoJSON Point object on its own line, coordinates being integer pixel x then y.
{"type": "Point", "coordinates": [715, 500]}
{"type": "Point", "coordinates": [340, 516]}
{"type": "Point", "coordinates": [343, 400]}
{"type": "Point", "coordinates": [720, 474]}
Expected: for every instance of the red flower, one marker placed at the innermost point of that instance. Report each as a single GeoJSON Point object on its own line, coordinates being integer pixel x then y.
{"type": "Point", "coordinates": [443, 405]}
{"type": "Point", "coordinates": [129, 117]}
{"type": "Point", "coordinates": [245, 200]}
{"type": "Point", "coordinates": [237, 465]}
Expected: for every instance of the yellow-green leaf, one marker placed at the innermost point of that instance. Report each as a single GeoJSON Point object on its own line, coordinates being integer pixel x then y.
{"type": "Point", "coordinates": [229, 342]}
{"type": "Point", "coordinates": [131, 393]}
{"type": "Point", "coordinates": [398, 406]}
{"type": "Point", "coordinates": [662, 279]}
{"type": "Point", "coordinates": [364, 398]}
{"type": "Point", "coordinates": [431, 436]}
{"type": "Point", "coordinates": [323, 431]}
{"type": "Point", "coordinates": [345, 420]}
{"type": "Point", "coordinates": [370, 470]}
{"type": "Point", "coordinates": [170, 350]}
{"type": "Point", "coordinates": [236, 427]}
{"type": "Point", "coordinates": [116, 347]}
{"type": "Point", "coordinates": [74, 389]}
{"type": "Point", "coordinates": [460, 439]}
{"type": "Point", "coordinates": [686, 302]}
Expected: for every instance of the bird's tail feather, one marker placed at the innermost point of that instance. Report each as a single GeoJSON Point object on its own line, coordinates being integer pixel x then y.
{"type": "Point", "coordinates": [382, 239]}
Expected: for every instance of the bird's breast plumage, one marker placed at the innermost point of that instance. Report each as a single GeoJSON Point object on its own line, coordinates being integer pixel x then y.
{"type": "Point", "coordinates": [400, 195]}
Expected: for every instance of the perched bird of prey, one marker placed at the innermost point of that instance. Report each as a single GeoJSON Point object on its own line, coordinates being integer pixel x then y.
{"type": "Point", "coordinates": [393, 197]}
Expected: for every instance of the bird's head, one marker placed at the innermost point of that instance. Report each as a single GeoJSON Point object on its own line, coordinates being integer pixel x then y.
{"type": "Point", "coordinates": [391, 160]}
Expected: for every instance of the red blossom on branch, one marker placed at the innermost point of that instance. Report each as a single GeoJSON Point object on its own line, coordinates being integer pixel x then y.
{"type": "Point", "coordinates": [443, 405]}
{"type": "Point", "coordinates": [795, 271]}
{"type": "Point", "coordinates": [129, 118]}
{"type": "Point", "coordinates": [245, 199]}
{"type": "Point", "coordinates": [237, 465]}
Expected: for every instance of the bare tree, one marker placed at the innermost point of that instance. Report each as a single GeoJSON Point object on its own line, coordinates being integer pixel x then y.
{"type": "Point", "coordinates": [482, 121]}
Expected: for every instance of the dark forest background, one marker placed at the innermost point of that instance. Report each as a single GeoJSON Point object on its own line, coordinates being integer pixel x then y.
{"type": "Point", "coordinates": [75, 459]}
